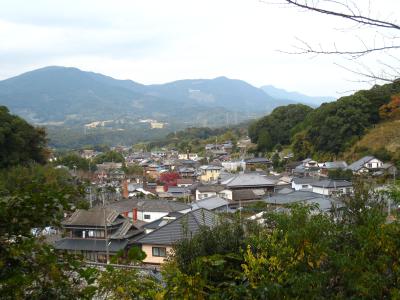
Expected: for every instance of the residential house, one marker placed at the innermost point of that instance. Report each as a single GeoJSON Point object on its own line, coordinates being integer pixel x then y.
{"type": "Point", "coordinates": [148, 210]}
{"type": "Point", "coordinates": [184, 182]}
{"type": "Point", "coordinates": [304, 197]}
{"type": "Point", "coordinates": [214, 203]}
{"type": "Point", "coordinates": [332, 165]}
{"type": "Point", "coordinates": [332, 187]}
{"type": "Point", "coordinates": [252, 163]}
{"type": "Point", "coordinates": [303, 183]}
{"type": "Point", "coordinates": [94, 232]}
{"type": "Point", "coordinates": [365, 165]}
{"type": "Point", "coordinates": [158, 243]}
{"type": "Point", "coordinates": [210, 190]}
{"type": "Point", "coordinates": [209, 173]}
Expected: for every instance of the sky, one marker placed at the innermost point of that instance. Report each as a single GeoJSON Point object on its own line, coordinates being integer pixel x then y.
{"type": "Point", "coordinates": [157, 41]}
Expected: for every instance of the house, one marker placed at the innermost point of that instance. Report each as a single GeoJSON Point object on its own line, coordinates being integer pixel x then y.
{"type": "Point", "coordinates": [331, 187]}
{"type": "Point", "coordinates": [303, 183]}
{"type": "Point", "coordinates": [209, 173]}
{"type": "Point", "coordinates": [186, 172]}
{"type": "Point", "coordinates": [158, 243]}
{"type": "Point", "coordinates": [215, 203]}
{"type": "Point", "coordinates": [253, 162]}
{"type": "Point", "coordinates": [149, 227]}
{"type": "Point", "coordinates": [206, 191]}
{"type": "Point", "coordinates": [95, 232]}
{"type": "Point", "coordinates": [332, 165]}
{"type": "Point", "coordinates": [250, 181]}
{"type": "Point", "coordinates": [184, 182]}
{"type": "Point", "coordinates": [147, 210]}
{"type": "Point", "coordinates": [233, 165]}
{"type": "Point", "coordinates": [365, 165]}
{"type": "Point", "coordinates": [304, 197]}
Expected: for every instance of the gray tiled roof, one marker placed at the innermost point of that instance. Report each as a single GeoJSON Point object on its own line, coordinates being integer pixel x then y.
{"type": "Point", "coordinates": [90, 245]}
{"type": "Point", "coordinates": [249, 180]}
{"type": "Point", "coordinates": [243, 195]}
{"type": "Point", "coordinates": [329, 183]}
{"type": "Point", "coordinates": [210, 203]}
{"type": "Point", "coordinates": [306, 197]}
{"type": "Point", "coordinates": [357, 165]}
{"type": "Point", "coordinates": [210, 188]}
{"type": "Point", "coordinates": [92, 217]}
{"type": "Point", "coordinates": [185, 226]}
{"type": "Point", "coordinates": [335, 165]}
{"type": "Point", "coordinates": [154, 205]}
{"type": "Point", "coordinates": [304, 180]}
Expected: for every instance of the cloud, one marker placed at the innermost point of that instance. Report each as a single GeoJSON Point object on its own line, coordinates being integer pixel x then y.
{"type": "Point", "coordinates": [157, 41]}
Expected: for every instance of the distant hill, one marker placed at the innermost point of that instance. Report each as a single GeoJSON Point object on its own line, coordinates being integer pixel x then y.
{"type": "Point", "coordinates": [295, 97]}
{"type": "Point", "coordinates": [60, 95]}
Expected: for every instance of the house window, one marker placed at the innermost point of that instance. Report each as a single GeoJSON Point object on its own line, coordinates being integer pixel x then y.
{"type": "Point", "coordinates": [304, 186]}
{"type": "Point", "coordinates": [159, 251]}
{"type": "Point", "coordinates": [147, 217]}
{"type": "Point", "coordinates": [369, 165]}
{"type": "Point", "coordinates": [91, 233]}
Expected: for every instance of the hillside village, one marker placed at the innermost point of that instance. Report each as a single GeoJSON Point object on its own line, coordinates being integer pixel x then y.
{"type": "Point", "coordinates": [147, 208]}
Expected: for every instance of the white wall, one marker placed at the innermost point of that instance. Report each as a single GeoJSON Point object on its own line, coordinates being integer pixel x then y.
{"type": "Point", "coordinates": [153, 215]}
{"type": "Point", "coordinates": [204, 195]}
{"type": "Point", "coordinates": [298, 187]}
{"type": "Point", "coordinates": [373, 164]}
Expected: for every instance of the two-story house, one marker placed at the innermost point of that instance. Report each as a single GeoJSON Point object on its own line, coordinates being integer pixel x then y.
{"type": "Point", "coordinates": [96, 232]}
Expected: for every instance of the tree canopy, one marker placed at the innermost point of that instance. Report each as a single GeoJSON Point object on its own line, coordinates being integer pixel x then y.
{"type": "Point", "coordinates": [20, 142]}
{"type": "Point", "coordinates": [278, 127]}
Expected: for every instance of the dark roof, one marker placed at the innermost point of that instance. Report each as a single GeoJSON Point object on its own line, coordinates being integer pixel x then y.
{"type": "Point", "coordinates": [304, 180]}
{"type": "Point", "coordinates": [149, 205]}
{"type": "Point", "coordinates": [92, 217]}
{"type": "Point", "coordinates": [329, 183]}
{"type": "Point", "coordinates": [257, 160]}
{"type": "Point", "coordinates": [90, 245]}
{"type": "Point", "coordinates": [210, 188]}
{"type": "Point", "coordinates": [184, 226]}
{"type": "Point", "coordinates": [242, 195]}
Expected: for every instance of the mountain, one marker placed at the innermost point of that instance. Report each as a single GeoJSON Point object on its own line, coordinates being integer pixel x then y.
{"type": "Point", "coordinates": [69, 96]}
{"type": "Point", "coordinates": [234, 94]}
{"type": "Point", "coordinates": [296, 97]}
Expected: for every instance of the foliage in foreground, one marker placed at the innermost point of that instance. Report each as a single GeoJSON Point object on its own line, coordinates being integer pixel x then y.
{"type": "Point", "coordinates": [352, 254]}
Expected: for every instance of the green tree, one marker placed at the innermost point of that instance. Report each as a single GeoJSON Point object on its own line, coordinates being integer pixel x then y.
{"type": "Point", "coordinates": [20, 142]}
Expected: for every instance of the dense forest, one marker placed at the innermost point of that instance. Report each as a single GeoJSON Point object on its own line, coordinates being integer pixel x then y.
{"type": "Point", "coordinates": [331, 129]}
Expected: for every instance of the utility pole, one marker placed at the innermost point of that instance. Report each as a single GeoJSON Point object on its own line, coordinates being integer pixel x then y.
{"type": "Point", "coordinates": [105, 230]}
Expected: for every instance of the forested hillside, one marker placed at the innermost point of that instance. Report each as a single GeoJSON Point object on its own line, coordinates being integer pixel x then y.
{"type": "Point", "coordinates": [333, 128]}
{"type": "Point", "coordinates": [278, 127]}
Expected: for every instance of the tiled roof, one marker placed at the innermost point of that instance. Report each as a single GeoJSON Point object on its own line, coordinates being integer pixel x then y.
{"type": "Point", "coordinates": [90, 245]}
{"type": "Point", "coordinates": [153, 205]}
{"type": "Point", "coordinates": [329, 183]}
{"type": "Point", "coordinates": [185, 226]}
{"type": "Point", "coordinates": [92, 217]}
{"type": "Point", "coordinates": [210, 203]}
{"type": "Point", "coordinates": [249, 180]}
{"type": "Point", "coordinates": [357, 165]}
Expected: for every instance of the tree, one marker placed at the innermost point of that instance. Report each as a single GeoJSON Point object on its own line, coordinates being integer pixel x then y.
{"type": "Point", "coordinates": [20, 142]}
{"type": "Point", "coordinates": [277, 127]}
{"type": "Point", "coordinates": [384, 37]}
{"type": "Point", "coordinates": [110, 156]}
{"type": "Point", "coordinates": [391, 110]}
{"type": "Point", "coordinates": [31, 199]}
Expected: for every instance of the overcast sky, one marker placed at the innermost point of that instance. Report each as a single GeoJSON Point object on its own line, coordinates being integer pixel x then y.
{"type": "Point", "coordinates": [159, 41]}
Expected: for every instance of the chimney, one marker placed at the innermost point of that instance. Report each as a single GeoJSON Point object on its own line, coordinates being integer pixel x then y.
{"type": "Point", "coordinates": [134, 214]}
{"type": "Point", "coordinates": [125, 192]}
